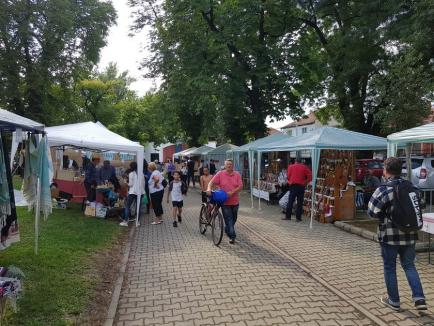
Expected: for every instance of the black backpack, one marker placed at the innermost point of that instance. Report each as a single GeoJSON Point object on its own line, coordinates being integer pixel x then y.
{"type": "Point", "coordinates": [406, 210]}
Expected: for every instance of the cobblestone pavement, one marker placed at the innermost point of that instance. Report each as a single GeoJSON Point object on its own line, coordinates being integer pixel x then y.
{"type": "Point", "coordinates": [278, 273]}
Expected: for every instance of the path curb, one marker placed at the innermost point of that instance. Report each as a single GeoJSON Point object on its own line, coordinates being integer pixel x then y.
{"type": "Point", "coordinates": [111, 315]}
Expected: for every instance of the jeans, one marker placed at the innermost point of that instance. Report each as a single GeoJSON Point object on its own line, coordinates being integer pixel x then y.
{"type": "Point", "coordinates": [127, 211]}
{"type": "Point", "coordinates": [90, 191]}
{"type": "Point", "coordinates": [295, 191]}
{"type": "Point", "coordinates": [230, 215]}
{"type": "Point", "coordinates": [407, 255]}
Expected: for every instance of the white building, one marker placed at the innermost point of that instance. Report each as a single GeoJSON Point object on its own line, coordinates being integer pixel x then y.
{"type": "Point", "coordinates": [306, 125]}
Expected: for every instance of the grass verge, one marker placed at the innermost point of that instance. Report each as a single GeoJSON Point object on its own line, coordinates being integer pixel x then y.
{"type": "Point", "coordinates": [60, 280]}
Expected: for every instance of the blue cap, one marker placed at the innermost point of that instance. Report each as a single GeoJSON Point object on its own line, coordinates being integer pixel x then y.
{"type": "Point", "coordinates": [219, 196]}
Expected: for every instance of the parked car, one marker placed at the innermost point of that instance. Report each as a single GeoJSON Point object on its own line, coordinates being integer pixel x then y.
{"type": "Point", "coordinates": [363, 165]}
{"type": "Point", "coordinates": [422, 171]}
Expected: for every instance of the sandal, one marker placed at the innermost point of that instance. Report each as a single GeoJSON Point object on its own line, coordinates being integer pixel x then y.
{"type": "Point", "coordinates": [155, 223]}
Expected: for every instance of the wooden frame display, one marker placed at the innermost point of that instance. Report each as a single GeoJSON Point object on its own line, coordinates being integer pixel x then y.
{"type": "Point", "coordinates": [335, 189]}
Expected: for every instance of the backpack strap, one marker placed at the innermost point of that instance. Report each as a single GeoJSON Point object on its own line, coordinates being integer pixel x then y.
{"type": "Point", "coordinates": [171, 186]}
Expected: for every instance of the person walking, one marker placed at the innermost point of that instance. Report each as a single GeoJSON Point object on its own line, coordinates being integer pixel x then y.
{"type": "Point", "coordinates": [156, 191]}
{"type": "Point", "coordinates": [229, 181]}
{"type": "Point", "coordinates": [177, 190]}
{"type": "Point", "coordinates": [135, 192]}
{"type": "Point", "coordinates": [190, 169]}
{"type": "Point", "coordinates": [184, 172]}
{"type": "Point", "coordinates": [204, 181]}
{"type": "Point", "coordinates": [212, 168]}
{"type": "Point", "coordinates": [393, 240]}
{"type": "Point", "coordinates": [299, 175]}
{"type": "Point", "coordinates": [170, 168]}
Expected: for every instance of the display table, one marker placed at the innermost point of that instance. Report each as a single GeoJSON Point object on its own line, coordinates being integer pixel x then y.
{"type": "Point", "coordinates": [428, 227]}
{"type": "Point", "coordinates": [76, 189]}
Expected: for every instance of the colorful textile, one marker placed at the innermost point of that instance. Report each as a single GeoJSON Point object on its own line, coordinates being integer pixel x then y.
{"type": "Point", "coordinates": [30, 172]}
{"type": "Point", "coordinates": [45, 175]}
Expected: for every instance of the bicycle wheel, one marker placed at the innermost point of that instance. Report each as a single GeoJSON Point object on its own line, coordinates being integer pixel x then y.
{"type": "Point", "coordinates": [217, 228]}
{"type": "Point", "coordinates": [203, 222]}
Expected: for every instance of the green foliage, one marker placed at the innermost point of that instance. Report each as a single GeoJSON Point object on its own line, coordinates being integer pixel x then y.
{"type": "Point", "coordinates": [58, 284]}
{"type": "Point", "coordinates": [44, 45]}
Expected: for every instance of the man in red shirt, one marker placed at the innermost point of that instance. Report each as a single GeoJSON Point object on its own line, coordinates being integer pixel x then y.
{"type": "Point", "coordinates": [230, 181]}
{"type": "Point", "coordinates": [299, 175]}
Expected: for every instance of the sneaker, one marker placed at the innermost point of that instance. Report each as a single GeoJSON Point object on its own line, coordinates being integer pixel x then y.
{"type": "Point", "coordinates": [124, 223]}
{"type": "Point", "coordinates": [179, 218]}
{"type": "Point", "coordinates": [420, 304]}
{"type": "Point", "coordinates": [175, 225]}
{"type": "Point", "coordinates": [232, 241]}
{"type": "Point", "coordinates": [386, 301]}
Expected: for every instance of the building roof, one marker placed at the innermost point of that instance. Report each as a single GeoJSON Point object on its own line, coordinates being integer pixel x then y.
{"type": "Point", "coordinates": [308, 120]}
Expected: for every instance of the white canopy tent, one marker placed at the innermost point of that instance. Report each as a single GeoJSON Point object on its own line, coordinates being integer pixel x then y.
{"type": "Point", "coordinates": [319, 139]}
{"type": "Point", "coordinates": [94, 135]}
{"type": "Point", "coordinates": [405, 138]}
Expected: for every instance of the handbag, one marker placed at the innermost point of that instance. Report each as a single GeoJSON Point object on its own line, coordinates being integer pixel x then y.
{"type": "Point", "coordinates": [283, 202]}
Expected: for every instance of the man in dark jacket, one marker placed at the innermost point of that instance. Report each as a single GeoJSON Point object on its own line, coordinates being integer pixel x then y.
{"type": "Point", "coordinates": [190, 175]}
{"type": "Point", "coordinates": [91, 179]}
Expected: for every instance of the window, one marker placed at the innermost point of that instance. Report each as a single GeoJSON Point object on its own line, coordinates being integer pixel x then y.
{"type": "Point", "coordinates": [304, 130]}
{"type": "Point", "coordinates": [289, 132]}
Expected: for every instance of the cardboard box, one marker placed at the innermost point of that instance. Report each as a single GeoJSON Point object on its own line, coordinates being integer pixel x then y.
{"type": "Point", "coordinates": [90, 211]}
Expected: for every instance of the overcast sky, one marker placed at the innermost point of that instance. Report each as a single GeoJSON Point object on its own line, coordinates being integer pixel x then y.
{"type": "Point", "coordinates": [128, 52]}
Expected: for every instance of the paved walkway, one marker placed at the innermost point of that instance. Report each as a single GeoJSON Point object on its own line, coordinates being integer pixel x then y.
{"type": "Point", "coordinates": [278, 273]}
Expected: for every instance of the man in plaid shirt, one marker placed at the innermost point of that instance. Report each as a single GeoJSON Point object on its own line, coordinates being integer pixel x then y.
{"type": "Point", "coordinates": [394, 241]}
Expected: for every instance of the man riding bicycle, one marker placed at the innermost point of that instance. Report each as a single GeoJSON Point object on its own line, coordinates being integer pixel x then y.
{"type": "Point", "coordinates": [229, 181]}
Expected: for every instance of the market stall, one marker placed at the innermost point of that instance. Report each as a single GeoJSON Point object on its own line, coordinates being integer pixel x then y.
{"type": "Point", "coordinates": [94, 136]}
{"type": "Point", "coordinates": [244, 162]}
{"type": "Point", "coordinates": [184, 153]}
{"type": "Point", "coordinates": [332, 190]}
{"type": "Point", "coordinates": [11, 277]}
{"type": "Point", "coordinates": [219, 154]}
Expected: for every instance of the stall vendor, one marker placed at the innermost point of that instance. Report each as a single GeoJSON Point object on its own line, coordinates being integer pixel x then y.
{"type": "Point", "coordinates": [107, 173]}
{"type": "Point", "coordinates": [91, 179]}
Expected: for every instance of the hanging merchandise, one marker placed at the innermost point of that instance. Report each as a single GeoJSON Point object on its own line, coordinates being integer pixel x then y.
{"type": "Point", "coordinates": [29, 186]}
{"type": "Point", "coordinates": [45, 175]}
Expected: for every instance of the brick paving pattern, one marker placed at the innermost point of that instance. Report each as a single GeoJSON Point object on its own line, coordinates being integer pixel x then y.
{"type": "Point", "coordinates": [176, 276]}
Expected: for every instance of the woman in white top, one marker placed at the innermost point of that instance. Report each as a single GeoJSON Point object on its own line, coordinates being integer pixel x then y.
{"type": "Point", "coordinates": [135, 191]}
{"type": "Point", "coordinates": [156, 191]}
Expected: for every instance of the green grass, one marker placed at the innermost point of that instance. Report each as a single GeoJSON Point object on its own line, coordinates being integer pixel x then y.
{"type": "Point", "coordinates": [57, 285]}
{"type": "Point", "coordinates": [17, 181]}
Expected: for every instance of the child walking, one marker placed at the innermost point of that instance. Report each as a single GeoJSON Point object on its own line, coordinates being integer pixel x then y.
{"type": "Point", "coordinates": [177, 190]}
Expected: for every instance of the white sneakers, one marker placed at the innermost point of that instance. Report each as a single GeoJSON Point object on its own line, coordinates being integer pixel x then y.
{"type": "Point", "coordinates": [124, 223]}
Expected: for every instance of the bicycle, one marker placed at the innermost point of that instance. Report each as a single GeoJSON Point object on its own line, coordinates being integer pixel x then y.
{"type": "Point", "coordinates": [210, 215]}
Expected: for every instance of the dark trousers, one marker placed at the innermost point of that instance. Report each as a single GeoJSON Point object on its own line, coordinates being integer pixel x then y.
{"type": "Point", "coordinates": [230, 215]}
{"type": "Point", "coordinates": [90, 191]}
{"type": "Point", "coordinates": [130, 200]}
{"type": "Point", "coordinates": [296, 191]}
{"type": "Point", "coordinates": [157, 200]}
{"type": "Point", "coordinates": [190, 176]}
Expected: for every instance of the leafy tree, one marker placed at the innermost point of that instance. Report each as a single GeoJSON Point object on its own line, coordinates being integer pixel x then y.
{"type": "Point", "coordinates": [44, 45]}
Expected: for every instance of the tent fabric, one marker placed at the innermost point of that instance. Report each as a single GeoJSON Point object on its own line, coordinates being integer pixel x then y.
{"type": "Point", "coordinates": [185, 152]}
{"type": "Point", "coordinates": [222, 149]}
{"type": "Point", "coordinates": [421, 134]}
{"type": "Point", "coordinates": [202, 150]}
{"type": "Point", "coordinates": [94, 135]}
{"type": "Point", "coordinates": [10, 122]}
{"type": "Point", "coordinates": [261, 141]}
{"type": "Point", "coordinates": [327, 138]}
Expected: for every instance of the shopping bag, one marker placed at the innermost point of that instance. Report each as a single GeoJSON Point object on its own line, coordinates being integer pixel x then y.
{"type": "Point", "coordinates": [283, 202]}
{"type": "Point", "coordinates": [90, 211]}
{"type": "Point", "coordinates": [144, 200]}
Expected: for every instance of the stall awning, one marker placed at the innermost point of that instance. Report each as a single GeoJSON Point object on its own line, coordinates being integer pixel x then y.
{"type": "Point", "coordinates": [221, 150]}
{"type": "Point", "coordinates": [202, 150]}
{"type": "Point", "coordinates": [92, 135]}
{"type": "Point", "coordinates": [421, 134]}
{"type": "Point", "coordinates": [185, 152]}
{"type": "Point", "coordinates": [10, 122]}
{"type": "Point", "coordinates": [327, 138]}
{"type": "Point", "coordinates": [261, 142]}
